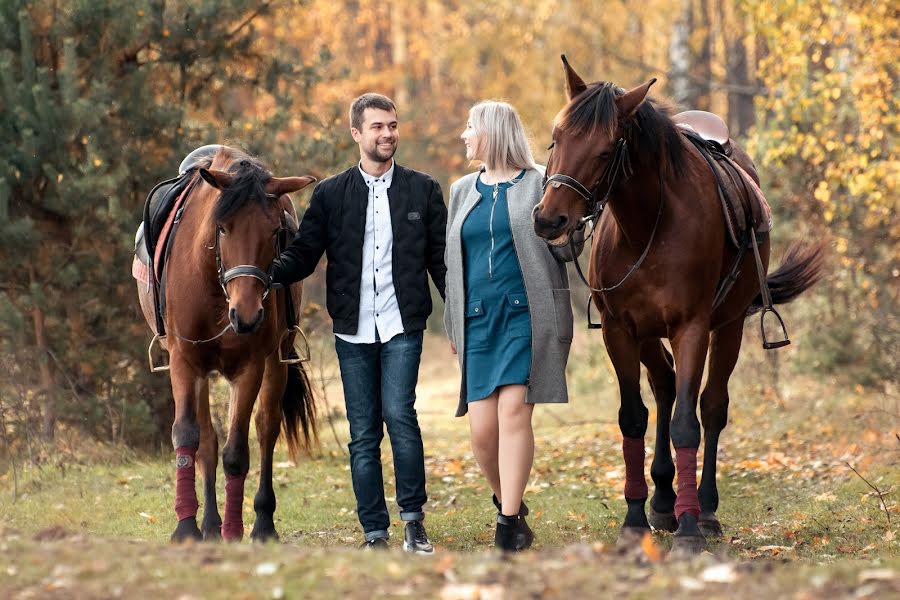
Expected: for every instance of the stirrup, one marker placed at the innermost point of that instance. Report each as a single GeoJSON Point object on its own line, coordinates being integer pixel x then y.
{"type": "Point", "coordinates": [300, 357]}
{"type": "Point", "coordinates": [153, 367]}
{"type": "Point", "coordinates": [784, 341]}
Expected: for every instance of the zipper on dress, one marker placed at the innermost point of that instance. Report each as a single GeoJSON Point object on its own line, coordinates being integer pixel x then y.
{"type": "Point", "coordinates": [491, 254]}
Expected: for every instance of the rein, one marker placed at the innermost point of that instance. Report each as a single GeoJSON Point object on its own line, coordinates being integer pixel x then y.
{"type": "Point", "coordinates": [640, 260]}
{"type": "Point", "coordinates": [620, 164]}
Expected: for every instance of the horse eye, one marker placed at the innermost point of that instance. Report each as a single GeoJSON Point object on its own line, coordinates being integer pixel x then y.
{"type": "Point", "coordinates": [220, 229]}
{"type": "Point", "coordinates": [550, 147]}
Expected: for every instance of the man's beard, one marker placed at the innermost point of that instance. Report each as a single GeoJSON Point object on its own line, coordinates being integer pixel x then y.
{"type": "Point", "coordinates": [378, 155]}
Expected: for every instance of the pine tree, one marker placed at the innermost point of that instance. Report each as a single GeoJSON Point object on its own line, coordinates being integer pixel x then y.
{"type": "Point", "coordinates": [99, 99]}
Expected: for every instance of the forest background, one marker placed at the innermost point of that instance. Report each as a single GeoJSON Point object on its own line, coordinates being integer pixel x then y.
{"type": "Point", "coordinates": [99, 100]}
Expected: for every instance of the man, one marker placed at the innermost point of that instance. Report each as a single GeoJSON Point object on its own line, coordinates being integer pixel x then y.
{"type": "Point", "coordinates": [382, 227]}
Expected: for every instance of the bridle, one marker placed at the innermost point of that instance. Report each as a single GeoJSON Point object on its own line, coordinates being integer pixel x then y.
{"type": "Point", "coordinates": [239, 271]}
{"type": "Point", "coordinates": [246, 270]}
{"type": "Point", "coordinates": [620, 165]}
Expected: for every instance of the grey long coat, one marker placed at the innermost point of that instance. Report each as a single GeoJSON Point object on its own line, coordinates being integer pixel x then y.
{"type": "Point", "coordinates": [546, 285]}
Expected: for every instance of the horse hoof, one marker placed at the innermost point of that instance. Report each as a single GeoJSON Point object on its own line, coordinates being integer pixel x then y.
{"type": "Point", "coordinates": [186, 531]}
{"type": "Point", "coordinates": [264, 535]}
{"type": "Point", "coordinates": [709, 525]}
{"type": "Point", "coordinates": [687, 546]}
{"type": "Point", "coordinates": [662, 521]}
{"type": "Point", "coordinates": [213, 535]}
{"type": "Point", "coordinates": [630, 538]}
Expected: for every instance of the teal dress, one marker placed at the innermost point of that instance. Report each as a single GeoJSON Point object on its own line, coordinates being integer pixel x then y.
{"type": "Point", "coordinates": [498, 323]}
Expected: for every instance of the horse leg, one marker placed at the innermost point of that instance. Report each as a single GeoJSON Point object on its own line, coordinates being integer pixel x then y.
{"type": "Point", "coordinates": [690, 344]}
{"type": "Point", "coordinates": [268, 422]}
{"type": "Point", "coordinates": [208, 461]}
{"type": "Point", "coordinates": [624, 352]}
{"type": "Point", "coordinates": [186, 386]}
{"type": "Point", "coordinates": [658, 361]}
{"type": "Point", "coordinates": [236, 454]}
{"type": "Point", "coordinates": [725, 346]}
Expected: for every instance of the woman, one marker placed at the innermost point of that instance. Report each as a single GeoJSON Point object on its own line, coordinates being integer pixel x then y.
{"type": "Point", "coordinates": [508, 312]}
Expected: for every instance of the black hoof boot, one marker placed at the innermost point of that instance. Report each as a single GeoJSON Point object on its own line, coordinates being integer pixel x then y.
{"type": "Point", "coordinates": [513, 534]}
{"type": "Point", "coordinates": [688, 540]}
{"type": "Point", "coordinates": [709, 525]}
{"type": "Point", "coordinates": [187, 531]}
{"type": "Point", "coordinates": [523, 508]}
{"type": "Point", "coordinates": [663, 518]}
{"type": "Point", "coordinates": [264, 529]}
{"type": "Point", "coordinates": [663, 521]}
{"type": "Point", "coordinates": [212, 528]}
{"type": "Point", "coordinates": [635, 525]}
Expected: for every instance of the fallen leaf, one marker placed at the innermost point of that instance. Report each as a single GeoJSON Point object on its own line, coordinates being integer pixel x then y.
{"type": "Point", "coordinates": [650, 549]}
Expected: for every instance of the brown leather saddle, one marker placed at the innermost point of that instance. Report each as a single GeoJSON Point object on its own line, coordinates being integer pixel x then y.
{"type": "Point", "coordinates": [747, 214]}
{"type": "Point", "coordinates": [743, 203]}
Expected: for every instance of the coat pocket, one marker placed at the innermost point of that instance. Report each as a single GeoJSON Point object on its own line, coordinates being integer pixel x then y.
{"type": "Point", "coordinates": [474, 308]}
{"type": "Point", "coordinates": [565, 321]}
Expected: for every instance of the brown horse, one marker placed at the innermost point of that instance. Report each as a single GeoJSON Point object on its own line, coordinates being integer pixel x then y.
{"type": "Point", "coordinates": [660, 252]}
{"type": "Point", "coordinates": [220, 316]}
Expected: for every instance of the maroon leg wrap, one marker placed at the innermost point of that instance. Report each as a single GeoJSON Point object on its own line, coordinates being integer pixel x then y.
{"type": "Point", "coordinates": [635, 484]}
{"type": "Point", "coordinates": [185, 475]}
{"type": "Point", "coordinates": [686, 464]}
{"type": "Point", "coordinates": [233, 519]}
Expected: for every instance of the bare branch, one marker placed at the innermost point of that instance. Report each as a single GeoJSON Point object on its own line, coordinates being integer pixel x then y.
{"type": "Point", "coordinates": [877, 491]}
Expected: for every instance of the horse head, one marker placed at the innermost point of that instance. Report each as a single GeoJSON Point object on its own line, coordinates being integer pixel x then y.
{"type": "Point", "coordinates": [588, 154]}
{"type": "Point", "coordinates": [247, 216]}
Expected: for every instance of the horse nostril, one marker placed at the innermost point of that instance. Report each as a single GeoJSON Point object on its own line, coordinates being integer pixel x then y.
{"type": "Point", "coordinates": [232, 315]}
{"type": "Point", "coordinates": [562, 221]}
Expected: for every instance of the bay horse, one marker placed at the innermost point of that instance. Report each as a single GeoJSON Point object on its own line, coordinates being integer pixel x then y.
{"type": "Point", "coordinates": [660, 252]}
{"type": "Point", "coordinates": [220, 316]}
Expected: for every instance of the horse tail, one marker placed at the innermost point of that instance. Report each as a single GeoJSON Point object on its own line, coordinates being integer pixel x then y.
{"type": "Point", "coordinates": [800, 269]}
{"type": "Point", "coordinates": [299, 410]}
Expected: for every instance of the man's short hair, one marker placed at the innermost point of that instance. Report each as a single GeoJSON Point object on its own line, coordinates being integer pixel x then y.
{"type": "Point", "coordinates": [365, 101]}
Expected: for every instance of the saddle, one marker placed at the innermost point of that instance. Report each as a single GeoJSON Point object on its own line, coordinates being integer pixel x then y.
{"type": "Point", "coordinates": [744, 206]}
{"type": "Point", "coordinates": [162, 212]}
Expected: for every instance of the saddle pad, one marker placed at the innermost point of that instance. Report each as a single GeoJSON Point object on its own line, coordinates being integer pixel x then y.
{"type": "Point", "coordinates": [140, 268]}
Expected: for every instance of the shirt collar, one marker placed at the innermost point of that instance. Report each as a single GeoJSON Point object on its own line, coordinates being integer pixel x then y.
{"type": "Point", "coordinates": [386, 178]}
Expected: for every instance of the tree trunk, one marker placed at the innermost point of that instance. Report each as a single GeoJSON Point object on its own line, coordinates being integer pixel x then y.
{"type": "Point", "coordinates": [741, 112]}
{"type": "Point", "coordinates": [48, 386]}
{"type": "Point", "coordinates": [399, 53]}
{"type": "Point", "coordinates": [680, 54]}
{"type": "Point", "coordinates": [702, 67]}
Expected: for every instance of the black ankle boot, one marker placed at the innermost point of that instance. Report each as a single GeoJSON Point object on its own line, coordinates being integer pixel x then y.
{"type": "Point", "coordinates": [523, 508]}
{"type": "Point", "coordinates": [513, 534]}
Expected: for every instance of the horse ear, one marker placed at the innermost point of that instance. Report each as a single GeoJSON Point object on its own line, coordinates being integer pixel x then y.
{"type": "Point", "coordinates": [629, 102]}
{"type": "Point", "coordinates": [574, 84]}
{"type": "Point", "coordinates": [286, 185]}
{"type": "Point", "coordinates": [218, 179]}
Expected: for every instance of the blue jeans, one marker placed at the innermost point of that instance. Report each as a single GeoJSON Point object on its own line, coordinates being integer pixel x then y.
{"type": "Point", "coordinates": [380, 389]}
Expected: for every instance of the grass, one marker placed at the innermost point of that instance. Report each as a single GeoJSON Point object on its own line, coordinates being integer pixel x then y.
{"type": "Point", "coordinates": [796, 517]}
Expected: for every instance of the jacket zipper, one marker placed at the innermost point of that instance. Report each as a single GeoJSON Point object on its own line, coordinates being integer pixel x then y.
{"type": "Point", "coordinates": [491, 254]}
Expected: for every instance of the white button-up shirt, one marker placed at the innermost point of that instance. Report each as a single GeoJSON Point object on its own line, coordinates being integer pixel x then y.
{"type": "Point", "coordinates": [378, 308]}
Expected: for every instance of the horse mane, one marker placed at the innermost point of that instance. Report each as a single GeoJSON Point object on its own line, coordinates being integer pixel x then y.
{"type": "Point", "coordinates": [651, 135]}
{"type": "Point", "coordinates": [250, 177]}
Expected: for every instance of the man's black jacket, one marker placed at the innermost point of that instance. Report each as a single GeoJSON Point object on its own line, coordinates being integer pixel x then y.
{"type": "Point", "coordinates": [335, 223]}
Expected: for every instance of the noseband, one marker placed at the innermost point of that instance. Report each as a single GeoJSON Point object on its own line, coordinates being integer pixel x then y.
{"type": "Point", "coordinates": [620, 164]}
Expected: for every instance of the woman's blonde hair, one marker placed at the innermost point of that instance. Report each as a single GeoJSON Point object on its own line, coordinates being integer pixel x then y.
{"type": "Point", "coordinates": [502, 135]}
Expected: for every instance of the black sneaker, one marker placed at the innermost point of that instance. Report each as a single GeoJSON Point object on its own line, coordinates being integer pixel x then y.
{"type": "Point", "coordinates": [523, 508]}
{"type": "Point", "coordinates": [513, 534]}
{"type": "Point", "coordinates": [379, 543]}
{"type": "Point", "coordinates": [415, 540]}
